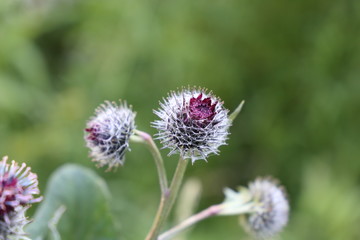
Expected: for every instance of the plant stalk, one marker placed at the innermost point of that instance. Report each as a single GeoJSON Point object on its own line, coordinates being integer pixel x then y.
{"type": "Point", "coordinates": [167, 200]}
{"type": "Point", "coordinates": [147, 139]}
{"type": "Point", "coordinates": [210, 211]}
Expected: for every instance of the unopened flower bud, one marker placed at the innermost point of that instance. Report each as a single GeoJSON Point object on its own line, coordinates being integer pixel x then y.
{"type": "Point", "coordinates": [272, 216]}
{"type": "Point", "coordinates": [193, 123]}
{"type": "Point", "coordinates": [108, 133]}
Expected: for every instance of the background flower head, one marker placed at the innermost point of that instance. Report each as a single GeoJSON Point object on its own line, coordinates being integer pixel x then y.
{"type": "Point", "coordinates": [193, 122]}
{"type": "Point", "coordinates": [108, 132]}
{"type": "Point", "coordinates": [272, 216]}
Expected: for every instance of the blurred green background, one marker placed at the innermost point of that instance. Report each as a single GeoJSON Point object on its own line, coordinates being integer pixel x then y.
{"type": "Point", "coordinates": [295, 63]}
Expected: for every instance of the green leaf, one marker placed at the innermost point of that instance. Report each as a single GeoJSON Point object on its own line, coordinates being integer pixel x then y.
{"type": "Point", "coordinates": [84, 197]}
{"type": "Point", "coordinates": [236, 112]}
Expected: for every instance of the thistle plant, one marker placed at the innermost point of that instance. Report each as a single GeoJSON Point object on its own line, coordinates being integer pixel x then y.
{"type": "Point", "coordinates": [193, 123]}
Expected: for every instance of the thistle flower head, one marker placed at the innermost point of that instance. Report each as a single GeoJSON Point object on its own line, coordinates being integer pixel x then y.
{"type": "Point", "coordinates": [18, 185]}
{"type": "Point", "coordinates": [108, 133]}
{"type": "Point", "coordinates": [193, 123]}
{"type": "Point", "coordinates": [17, 189]}
{"type": "Point", "coordinates": [273, 214]}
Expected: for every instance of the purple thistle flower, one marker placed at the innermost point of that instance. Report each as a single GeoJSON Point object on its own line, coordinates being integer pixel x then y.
{"type": "Point", "coordinates": [108, 133]}
{"type": "Point", "coordinates": [17, 189]}
{"type": "Point", "coordinates": [274, 209]}
{"type": "Point", "coordinates": [193, 123]}
{"type": "Point", "coordinates": [18, 185]}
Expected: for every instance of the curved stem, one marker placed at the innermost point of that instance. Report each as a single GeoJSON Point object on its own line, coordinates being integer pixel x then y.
{"type": "Point", "coordinates": [146, 138]}
{"type": "Point", "coordinates": [167, 200]}
{"type": "Point", "coordinates": [210, 211]}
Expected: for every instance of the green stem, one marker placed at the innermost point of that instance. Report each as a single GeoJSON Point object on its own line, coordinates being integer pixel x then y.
{"type": "Point", "coordinates": [146, 138]}
{"type": "Point", "coordinates": [210, 211]}
{"type": "Point", "coordinates": [167, 200]}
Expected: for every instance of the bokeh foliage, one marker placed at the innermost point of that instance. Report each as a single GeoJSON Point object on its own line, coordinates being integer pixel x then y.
{"type": "Point", "coordinates": [296, 64]}
{"type": "Point", "coordinates": [76, 206]}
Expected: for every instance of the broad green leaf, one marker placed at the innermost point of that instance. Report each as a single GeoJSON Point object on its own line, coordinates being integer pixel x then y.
{"type": "Point", "coordinates": [84, 199]}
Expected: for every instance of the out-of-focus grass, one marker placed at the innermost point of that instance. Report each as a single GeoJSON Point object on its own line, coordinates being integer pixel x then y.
{"type": "Point", "coordinates": [296, 63]}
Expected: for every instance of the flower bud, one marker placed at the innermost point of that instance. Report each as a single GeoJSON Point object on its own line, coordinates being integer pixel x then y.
{"type": "Point", "coordinates": [272, 216]}
{"type": "Point", "coordinates": [108, 133]}
{"type": "Point", "coordinates": [193, 123]}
